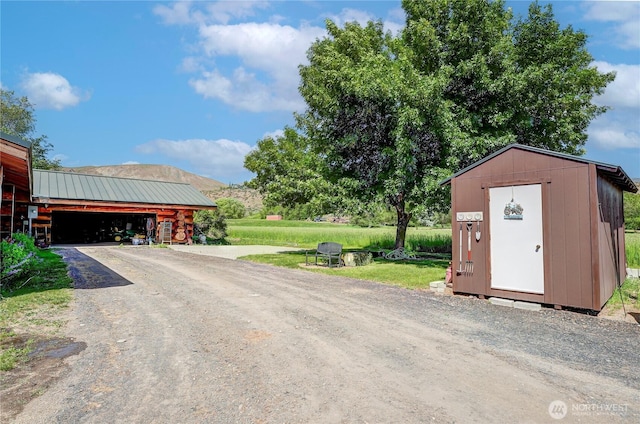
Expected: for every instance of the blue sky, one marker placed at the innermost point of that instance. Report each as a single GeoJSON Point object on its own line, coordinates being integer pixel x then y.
{"type": "Point", "coordinates": [196, 84]}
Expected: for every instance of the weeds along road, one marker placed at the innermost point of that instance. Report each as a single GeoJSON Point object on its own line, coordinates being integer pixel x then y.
{"type": "Point", "coordinates": [174, 337]}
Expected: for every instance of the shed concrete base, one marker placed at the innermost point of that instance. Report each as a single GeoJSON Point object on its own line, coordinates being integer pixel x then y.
{"type": "Point", "coordinates": [633, 273]}
{"type": "Point", "coordinates": [515, 304]}
{"type": "Point", "coordinates": [501, 302]}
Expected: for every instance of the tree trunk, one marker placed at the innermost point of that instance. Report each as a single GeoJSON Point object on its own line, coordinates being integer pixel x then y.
{"type": "Point", "coordinates": [401, 226]}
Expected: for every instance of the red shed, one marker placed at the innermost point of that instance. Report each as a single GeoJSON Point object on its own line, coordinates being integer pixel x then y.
{"type": "Point", "coordinates": [539, 226]}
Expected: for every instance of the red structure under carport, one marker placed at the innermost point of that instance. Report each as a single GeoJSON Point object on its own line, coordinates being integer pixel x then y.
{"type": "Point", "coordinates": [16, 183]}
{"type": "Point", "coordinates": [539, 226]}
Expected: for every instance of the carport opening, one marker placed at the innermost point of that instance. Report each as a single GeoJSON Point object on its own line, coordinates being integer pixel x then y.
{"type": "Point", "coordinates": [96, 227]}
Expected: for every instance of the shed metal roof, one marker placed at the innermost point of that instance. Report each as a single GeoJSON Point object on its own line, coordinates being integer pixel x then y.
{"type": "Point", "coordinates": [614, 172]}
{"type": "Point", "coordinates": [83, 187]}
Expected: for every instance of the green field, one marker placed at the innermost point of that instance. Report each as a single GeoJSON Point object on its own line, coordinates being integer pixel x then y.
{"type": "Point", "coordinates": [307, 234]}
{"type": "Point", "coordinates": [632, 248]}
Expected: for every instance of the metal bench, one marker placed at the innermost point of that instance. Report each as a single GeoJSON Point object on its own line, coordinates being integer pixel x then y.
{"type": "Point", "coordinates": [329, 251]}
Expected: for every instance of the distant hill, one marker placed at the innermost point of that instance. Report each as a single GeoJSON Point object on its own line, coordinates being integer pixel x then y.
{"type": "Point", "coordinates": [151, 172]}
{"type": "Point", "coordinates": [213, 189]}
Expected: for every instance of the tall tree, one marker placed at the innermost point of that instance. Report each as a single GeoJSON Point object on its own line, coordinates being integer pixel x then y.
{"type": "Point", "coordinates": [17, 118]}
{"type": "Point", "coordinates": [379, 126]}
{"type": "Point", "coordinates": [524, 80]}
{"type": "Point", "coordinates": [552, 100]}
{"type": "Point", "coordinates": [287, 174]}
{"type": "Point", "coordinates": [391, 116]}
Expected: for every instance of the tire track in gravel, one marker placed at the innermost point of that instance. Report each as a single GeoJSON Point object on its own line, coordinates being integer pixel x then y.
{"type": "Point", "coordinates": [176, 337]}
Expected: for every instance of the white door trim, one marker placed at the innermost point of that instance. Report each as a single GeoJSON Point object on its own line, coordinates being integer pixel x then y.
{"type": "Point", "coordinates": [516, 239]}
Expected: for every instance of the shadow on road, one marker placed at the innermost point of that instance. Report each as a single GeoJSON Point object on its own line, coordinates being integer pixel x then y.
{"type": "Point", "coordinates": [87, 273]}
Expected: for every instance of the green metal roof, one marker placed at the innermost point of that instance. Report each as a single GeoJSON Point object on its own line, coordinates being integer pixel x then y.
{"type": "Point", "coordinates": [82, 187]}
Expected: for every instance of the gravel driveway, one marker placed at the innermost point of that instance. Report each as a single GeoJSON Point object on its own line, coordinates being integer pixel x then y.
{"type": "Point", "coordinates": [230, 252]}
{"type": "Point", "coordinates": [175, 337]}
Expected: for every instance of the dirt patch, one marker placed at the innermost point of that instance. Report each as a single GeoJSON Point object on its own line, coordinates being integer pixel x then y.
{"type": "Point", "coordinates": [630, 313]}
{"type": "Point", "coordinates": [30, 379]}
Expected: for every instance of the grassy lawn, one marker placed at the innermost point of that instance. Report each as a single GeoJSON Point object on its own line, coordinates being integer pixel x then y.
{"type": "Point", "coordinates": [408, 274]}
{"type": "Point", "coordinates": [630, 295]}
{"type": "Point", "coordinates": [307, 235]}
{"type": "Point", "coordinates": [34, 308]}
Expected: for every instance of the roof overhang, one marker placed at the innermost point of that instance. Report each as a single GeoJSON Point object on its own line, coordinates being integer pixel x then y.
{"type": "Point", "coordinates": [15, 160]}
{"type": "Point", "coordinates": [615, 173]}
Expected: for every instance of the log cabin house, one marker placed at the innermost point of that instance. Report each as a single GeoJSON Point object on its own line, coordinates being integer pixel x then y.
{"type": "Point", "coordinates": [65, 207]}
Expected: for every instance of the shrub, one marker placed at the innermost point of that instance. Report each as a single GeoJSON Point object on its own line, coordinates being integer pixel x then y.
{"type": "Point", "coordinates": [632, 223]}
{"type": "Point", "coordinates": [18, 258]}
{"type": "Point", "coordinates": [211, 223]}
{"type": "Point", "coordinates": [231, 208]}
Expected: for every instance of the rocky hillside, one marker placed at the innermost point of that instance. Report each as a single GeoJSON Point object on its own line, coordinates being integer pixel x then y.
{"type": "Point", "coordinates": [213, 189]}
{"type": "Point", "coordinates": [151, 172]}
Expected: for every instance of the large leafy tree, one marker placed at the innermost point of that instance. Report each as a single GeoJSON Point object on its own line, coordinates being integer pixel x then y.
{"type": "Point", "coordinates": [380, 128]}
{"type": "Point", "coordinates": [17, 118]}
{"type": "Point", "coordinates": [288, 175]}
{"type": "Point", "coordinates": [388, 117]}
{"type": "Point", "coordinates": [526, 80]}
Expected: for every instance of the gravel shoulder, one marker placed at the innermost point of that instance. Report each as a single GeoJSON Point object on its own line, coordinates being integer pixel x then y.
{"type": "Point", "coordinates": [230, 252]}
{"type": "Point", "coordinates": [172, 336]}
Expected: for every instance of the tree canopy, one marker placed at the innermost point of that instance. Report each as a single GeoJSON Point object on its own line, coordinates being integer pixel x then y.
{"type": "Point", "coordinates": [231, 208]}
{"type": "Point", "coordinates": [17, 118]}
{"type": "Point", "coordinates": [388, 117]}
{"type": "Point", "coordinates": [287, 174]}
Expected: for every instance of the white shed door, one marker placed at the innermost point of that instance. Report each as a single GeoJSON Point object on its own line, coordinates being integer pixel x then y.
{"type": "Point", "coordinates": [516, 238]}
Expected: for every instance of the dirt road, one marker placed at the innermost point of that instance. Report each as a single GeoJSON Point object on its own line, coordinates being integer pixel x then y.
{"type": "Point", "coordinates": [174, 337]}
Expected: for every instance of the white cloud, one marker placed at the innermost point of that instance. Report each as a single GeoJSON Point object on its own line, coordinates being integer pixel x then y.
{"type": "Point", "coordinates": [51, 91]}
{"type": "Point", "coordinates": [191, 64]}
{"type": "Point", "coordinates": [131, 162]}
{"type": "Point", "coordinates": [352, 15]}
{"type": "Point", "coordinates": [182, 12]}
{"type": "Point", "coordinates": [271, 51]}
{"type": "Point", "coordinates": [619, 127]}
{"type": "Point", "coordinates": [224, 11]}
{"type": "Point", "coordinates": [614, 138]}
{"type": "Point", "coordinates": [222, 158]}
{"type": "Point", "coordinates": [277, 49]}
{"type": "Point", "coordinates": [624, 14]}
{"type": "Point", "coordinates": [616, 129]}
{"type": "Point", "coordinates": [394, 22]}
{"type": "Point", "coordinates": [273, 134]}
{"type": "Point", "coordinates": [60, 157]}
{"type": "Point", "coordinates": [624, 91]}
{"type": "Point", "coordinates": [179, 13]}
{"type": "Point", "coordinates": [267, 54]}
{"type": "Point", "coordinates": [244, 91]}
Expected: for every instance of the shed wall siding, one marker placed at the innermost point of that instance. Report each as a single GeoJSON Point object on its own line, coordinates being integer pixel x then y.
{"type": "Point", "coordinates": [611, 238]}
{"type": "Point", "coordinates": [567, 220]}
